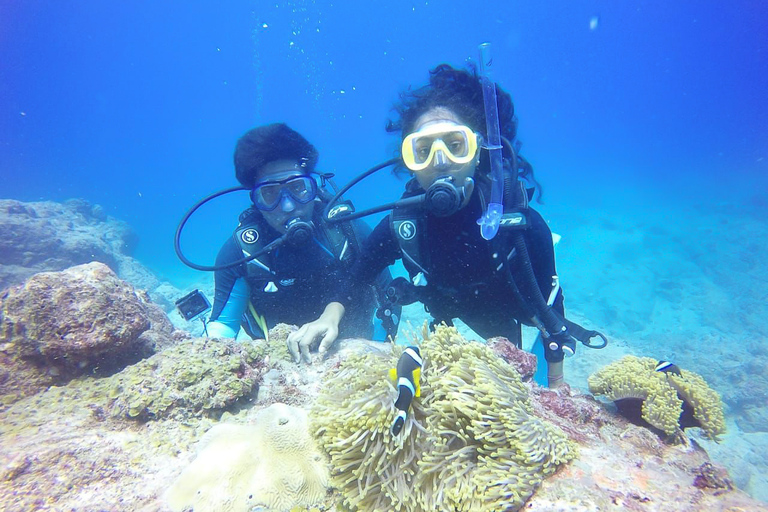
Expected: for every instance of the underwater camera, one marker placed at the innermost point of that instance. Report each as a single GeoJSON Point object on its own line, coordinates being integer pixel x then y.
{"type": "Point", "coordinates": [193, 305]}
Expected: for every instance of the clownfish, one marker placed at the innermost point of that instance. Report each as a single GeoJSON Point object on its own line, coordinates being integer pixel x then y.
{"type": "Point", "coordinates": [407, 375]}
{"type": "Point", "coordinates": [667, 367]}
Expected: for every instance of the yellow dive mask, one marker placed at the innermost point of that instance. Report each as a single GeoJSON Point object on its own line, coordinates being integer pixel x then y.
{"type": "Point", "coordinates": [457, 143]}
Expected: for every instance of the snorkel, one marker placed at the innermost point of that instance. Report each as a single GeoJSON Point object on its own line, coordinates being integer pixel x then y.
{"type": "Point", "coordinates": [489, 222]}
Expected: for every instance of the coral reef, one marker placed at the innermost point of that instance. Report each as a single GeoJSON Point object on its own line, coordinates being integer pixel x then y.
{"type": "Point", "coordinates": [64, 450]}
{"type": "Point", "coordinates": [78, 446]}
{"type": "Point", "coordinates": [666, 399]}
{"type": "Point", "coordinates": [471, 441]}
{"type": "Point", "coordinates": [198, 376]}
{"type": "Point", "coordinates": [579, 415]}
{"type": "Point", "coordinates": [522, 361]}
{"type": "Point", "coordinates": [60, 325]}
{"type": "Point", "coordinates": [161, 333]}
{"type": "Point", "coordinates": [272, 463]}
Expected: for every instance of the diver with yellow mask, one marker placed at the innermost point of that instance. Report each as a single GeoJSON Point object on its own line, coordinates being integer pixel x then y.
{"type": "Point", "coordinates": [458, 136]}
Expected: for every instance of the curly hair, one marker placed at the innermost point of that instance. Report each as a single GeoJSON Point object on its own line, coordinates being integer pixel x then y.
{"type": "Point", "coordinates": [461, 91]}
{"type": "Point", "coordinates": [268, 143]}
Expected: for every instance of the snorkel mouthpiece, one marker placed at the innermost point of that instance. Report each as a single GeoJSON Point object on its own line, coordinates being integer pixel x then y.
{"type": "Point", "coordinates": [489, 222]}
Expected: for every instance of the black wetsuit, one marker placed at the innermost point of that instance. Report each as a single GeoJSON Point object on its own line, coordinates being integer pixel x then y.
{"type": "Point", "coordinates": [303, 280]}
{"type": "Point", "coordinates": [462, 280]}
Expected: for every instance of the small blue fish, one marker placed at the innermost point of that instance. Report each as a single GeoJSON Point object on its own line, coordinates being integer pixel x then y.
{"type": "Point", "coordinates": [667, 367]}
{"type": "Point", "coordinates": [408, 378]}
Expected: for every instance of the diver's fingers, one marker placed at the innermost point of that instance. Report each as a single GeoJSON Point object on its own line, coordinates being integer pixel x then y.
{"type": "Point", "coordinates": [327, 341]}
{"type": "Point", "coordinates": [293, 343]}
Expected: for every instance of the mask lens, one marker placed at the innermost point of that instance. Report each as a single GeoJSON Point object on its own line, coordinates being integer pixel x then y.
{"type": "Point", "coordinates": [268, 195]}
{"type": "Point", "coordinates": [422, 146]}
{"type": "Point", "coordinates": [457, 142]}
{"type": "Point", "coordinates": [303, 189]}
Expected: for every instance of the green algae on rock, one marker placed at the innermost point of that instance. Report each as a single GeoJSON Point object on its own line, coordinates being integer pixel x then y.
{"type": "Point", "coordinates": [199, 376]}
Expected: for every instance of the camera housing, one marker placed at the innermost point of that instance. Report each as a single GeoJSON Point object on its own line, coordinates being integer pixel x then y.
{"type": "Point", "coordinates": [193, 305]}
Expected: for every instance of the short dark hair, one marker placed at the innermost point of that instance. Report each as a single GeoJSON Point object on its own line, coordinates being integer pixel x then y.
{"type": "Point", "coordinates": [269, 143]}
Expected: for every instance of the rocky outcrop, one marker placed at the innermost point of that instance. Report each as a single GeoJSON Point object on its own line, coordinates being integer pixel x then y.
{"type": "Point", "coordinates": [61, 325]}
{"type": "Point", "coordinates": [48, 236]}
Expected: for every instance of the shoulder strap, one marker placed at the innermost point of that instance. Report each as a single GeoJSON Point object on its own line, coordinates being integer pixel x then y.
{"type": "Point", "coordinates": [249, 237]}
{"type": "Point", "coordinates": [341, 236]}
{"type": "Point", "coordinates": [409, 229]}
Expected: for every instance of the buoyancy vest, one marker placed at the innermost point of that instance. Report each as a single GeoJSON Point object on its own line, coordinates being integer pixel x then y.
{"type": "Point", "coordinates": [408, 224]}
{"type": "Point", "coordinates": [252, 235]}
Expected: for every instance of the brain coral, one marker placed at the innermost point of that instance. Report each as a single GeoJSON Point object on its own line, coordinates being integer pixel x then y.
{"type": "Point", "coordinates": [471, 441]}
{"type": "Point", "coordinates": [272, 463]}
{"type": "Point", "coordinates": [664, 396]}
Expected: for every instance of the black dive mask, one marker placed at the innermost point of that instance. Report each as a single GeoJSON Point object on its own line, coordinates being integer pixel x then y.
{"type": "Point", "coordinates": [298, 232]}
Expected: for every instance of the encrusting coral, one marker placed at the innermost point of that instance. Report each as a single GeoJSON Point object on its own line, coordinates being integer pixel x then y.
{"type": "Point", "coordinates": [665, 396]}
{"type": "Point", "coordinates": [471, 441]}
{"type": "Point", "coordinates": [197, 376]}
{"type": "Point", "coordinates": [272, 463]}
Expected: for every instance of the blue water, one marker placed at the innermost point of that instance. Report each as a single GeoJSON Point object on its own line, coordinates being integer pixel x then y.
{"type": "Point", "coordinates": [646, 122]}
{"type": "Point", "coordinates": [137, 105]}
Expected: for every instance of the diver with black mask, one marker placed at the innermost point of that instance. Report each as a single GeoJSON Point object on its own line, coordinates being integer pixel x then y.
{"type": "Point", "coordinates": [494, 278]}
{"type": "Point", "coordinates": [284, 263]}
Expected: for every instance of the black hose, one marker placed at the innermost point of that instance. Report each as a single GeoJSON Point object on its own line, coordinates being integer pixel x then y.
{"type": "Point", "coordinates": [548, 318]}
{"type": "Point", "coordinates": [211, 268]}
{"type": "Point", "coordinates": [345, 188]}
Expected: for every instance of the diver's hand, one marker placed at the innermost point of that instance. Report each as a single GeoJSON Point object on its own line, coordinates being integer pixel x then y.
{"type": "Point", "coordinates": [326, 326]}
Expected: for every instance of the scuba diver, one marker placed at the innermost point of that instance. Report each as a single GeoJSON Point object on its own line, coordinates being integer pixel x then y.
{"type": "Point", "coordinates": [283, 263]}
{"type": "Point", "coordinates": [458, 141]}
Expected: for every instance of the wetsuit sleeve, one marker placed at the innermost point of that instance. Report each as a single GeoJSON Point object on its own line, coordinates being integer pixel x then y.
{"type": "Point", "coordinates": [231, 294]}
